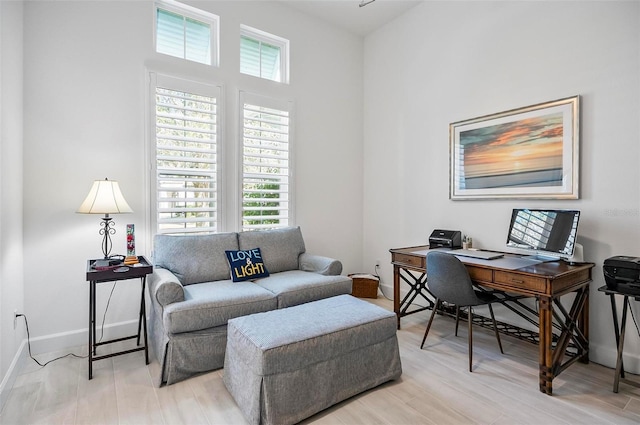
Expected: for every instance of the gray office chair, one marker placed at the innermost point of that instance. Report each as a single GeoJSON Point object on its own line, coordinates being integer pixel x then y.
{"type": "Point", "coordinates": [449, 281]}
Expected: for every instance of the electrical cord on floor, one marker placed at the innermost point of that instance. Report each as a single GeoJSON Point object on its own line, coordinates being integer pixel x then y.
{"type": "Point", "coordinates": [376, 274]}
{"type": "Point", "coordinates": [26, 323]}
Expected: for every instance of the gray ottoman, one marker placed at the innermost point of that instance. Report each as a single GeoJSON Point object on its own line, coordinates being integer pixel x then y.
{"type": "Point", "coordinates": [285, 365]}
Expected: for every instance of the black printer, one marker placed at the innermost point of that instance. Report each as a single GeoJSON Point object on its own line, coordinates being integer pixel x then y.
{"type": "Point", "coordinates": [622, 274]}
{"type": "Point", "coordinates": [445, 239]}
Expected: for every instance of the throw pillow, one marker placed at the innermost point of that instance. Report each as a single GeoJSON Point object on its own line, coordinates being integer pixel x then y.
{"type": "Point", "coordinates": [246, 265]}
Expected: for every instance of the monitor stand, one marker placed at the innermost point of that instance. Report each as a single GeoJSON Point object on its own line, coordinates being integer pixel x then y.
{"type": "Point", "coordinates": [543, 258]}
{"type": "Point", "coordinates": [577, 257]}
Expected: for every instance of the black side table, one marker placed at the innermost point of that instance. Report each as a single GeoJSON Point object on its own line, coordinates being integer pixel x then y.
{"type": "Point", "coordinates": [140, 270]}
{"type": "Point", "coordinates": [619, 330]}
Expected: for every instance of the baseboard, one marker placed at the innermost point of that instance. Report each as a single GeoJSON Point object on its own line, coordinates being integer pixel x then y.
{"type": "Point", "coordinates": [66, 340]}
{"type": "Point", "coordinates": [12, 374]}
{"type": "Point", "coordinates": [387, 291]}
{"type": "Point", "coordinates": [607, 355]}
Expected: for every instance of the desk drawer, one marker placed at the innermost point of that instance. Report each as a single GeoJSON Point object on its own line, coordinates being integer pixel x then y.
{"type": "Point", "coordinates": [480, 275]}
{"type": "Point", "coordinates": [520, 281]}
{"type": "Point", "coordinates": [409, 260]}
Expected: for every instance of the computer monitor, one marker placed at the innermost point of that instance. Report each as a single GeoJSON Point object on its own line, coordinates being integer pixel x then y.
{"type": "Point", "coordinates": [544, 233]}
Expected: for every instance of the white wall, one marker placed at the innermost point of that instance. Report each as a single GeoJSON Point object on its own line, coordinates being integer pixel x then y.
{"type": "Point", "coordinates": [84, 97]}
{"type": "Point", "coordinates": [451, 61]}
{"type": "Point", "coordinates": [85, 70]}
{"type": "Point", "coordinates": [11, 256]}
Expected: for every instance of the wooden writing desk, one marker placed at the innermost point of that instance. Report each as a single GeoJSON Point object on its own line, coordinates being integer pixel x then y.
{"type": "Point", "coordinates": [546, 281]}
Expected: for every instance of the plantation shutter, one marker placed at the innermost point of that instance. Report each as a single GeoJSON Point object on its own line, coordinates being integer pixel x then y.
{"type": "Point", "coordinates": [185, 156]}
{"type": "Point", "coordinates": [266, 163]}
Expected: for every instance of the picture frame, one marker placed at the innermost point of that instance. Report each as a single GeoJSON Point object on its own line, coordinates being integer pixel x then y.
{"type": "Point", "coordinates": [530, 152]}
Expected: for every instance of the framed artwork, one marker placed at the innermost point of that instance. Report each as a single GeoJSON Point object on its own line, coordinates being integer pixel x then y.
{"type": "Point", "coordinates": [529, 152]}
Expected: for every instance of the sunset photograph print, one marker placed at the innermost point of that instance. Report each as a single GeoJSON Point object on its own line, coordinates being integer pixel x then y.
{"type": "Point", "coordinates": [524, 153]}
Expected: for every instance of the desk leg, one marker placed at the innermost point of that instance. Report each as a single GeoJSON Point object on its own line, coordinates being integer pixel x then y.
{"type": "Point", "coordinates": [623, 325]}
{"type": "Point", "coordinates": [572, 324]}
{"type": "Point", "coordinates": [143, 313]}
{"type": "Point", "coordinates": [396, 293]}
{"type": "Point", "coordinates": [583, 326]}
{"type": "Point", "coordinates": [616, 330]}
{"type": "Point", "coordinates": [93, 319]}
{"type": "Point", "coordinates": [92, 307]}
{"type": "Point", "coordinates": [546, 345]}
{"type": "Point", "coordinates": [417, 287]}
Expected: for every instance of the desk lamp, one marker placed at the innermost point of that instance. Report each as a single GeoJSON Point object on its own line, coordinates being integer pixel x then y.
{"type": "Point", "coordinates": [105, 198]}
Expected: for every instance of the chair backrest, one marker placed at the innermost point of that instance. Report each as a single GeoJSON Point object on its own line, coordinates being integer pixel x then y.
{"type": "Point", "coordinates": [448, 280]}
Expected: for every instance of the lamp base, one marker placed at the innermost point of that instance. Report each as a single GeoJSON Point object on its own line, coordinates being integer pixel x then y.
{"type": "Point", "coordinates": [107, 230]}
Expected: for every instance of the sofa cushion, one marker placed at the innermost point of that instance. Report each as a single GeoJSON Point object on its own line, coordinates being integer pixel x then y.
{"type": "Point", "coordinates": [246, 265]}
{"type": "Point", "coordinates": [211, 304]}
{"type": "Point", "coordinates": [195, 258]}
{"type": "Point", "coordinates": [297, 287]}
{"type": "Point", "coordinates": [280, 247]}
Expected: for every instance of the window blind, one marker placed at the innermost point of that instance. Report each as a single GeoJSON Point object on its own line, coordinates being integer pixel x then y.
{"type": "Point", "coordinates": [186, 171]}
{"type": "Point", "coordinates": [263, 55]}
{"type": "Point", "coordinates": [186, 33]}
{"type": "Point", "coordinates": [259, 59]}
{"type": "Point", "coordinates": [266, 171]}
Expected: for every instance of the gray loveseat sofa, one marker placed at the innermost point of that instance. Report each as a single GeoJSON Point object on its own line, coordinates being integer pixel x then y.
{"type": "Point", "coordinates": [193, 297]}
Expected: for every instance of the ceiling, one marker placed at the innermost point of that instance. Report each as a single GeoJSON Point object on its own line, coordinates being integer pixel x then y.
{"type": "Point", "coordinates": [348, 15]}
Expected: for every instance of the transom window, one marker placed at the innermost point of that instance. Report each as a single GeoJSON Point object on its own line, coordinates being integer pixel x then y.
{"type": "Point", "coordinates": [186, 32]}
{"type": "Point", "coordinates": [264, 55]}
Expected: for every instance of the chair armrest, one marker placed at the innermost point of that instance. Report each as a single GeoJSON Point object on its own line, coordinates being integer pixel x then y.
{"type": "Point", "coordinates": [165, 287]}
{"type": "Point", "coordinates": [319, 264]}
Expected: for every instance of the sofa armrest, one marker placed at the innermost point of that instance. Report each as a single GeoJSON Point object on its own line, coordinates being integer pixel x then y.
{"type": "Point", "coordinates": [165, 287]}
{"type": "Point", "coordinates": [319, 264]}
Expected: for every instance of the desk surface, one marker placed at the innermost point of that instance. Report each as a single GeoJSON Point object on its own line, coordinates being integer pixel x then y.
{"type": "Point", "coordinates": [141, 269]}
{"type": "Point", "coordinates": [542, 278]}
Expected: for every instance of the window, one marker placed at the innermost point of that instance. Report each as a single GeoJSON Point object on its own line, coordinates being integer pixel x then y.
{"type": "Point", "coordinates": [186, 32]}
{"type": "Point", "coordinates": [185, 190]}
{"type": "Point", "coordinates": [266, 163]}
{"type": "Point", "coordinates": [264, 55]}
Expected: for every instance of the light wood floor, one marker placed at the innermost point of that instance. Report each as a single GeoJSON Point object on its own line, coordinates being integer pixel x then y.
{"type": "Point", "coordinates": [435, 388]}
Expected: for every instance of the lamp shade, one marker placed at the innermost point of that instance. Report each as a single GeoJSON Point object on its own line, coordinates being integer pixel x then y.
{"type": "Point", "coordinates": [105, 197]}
